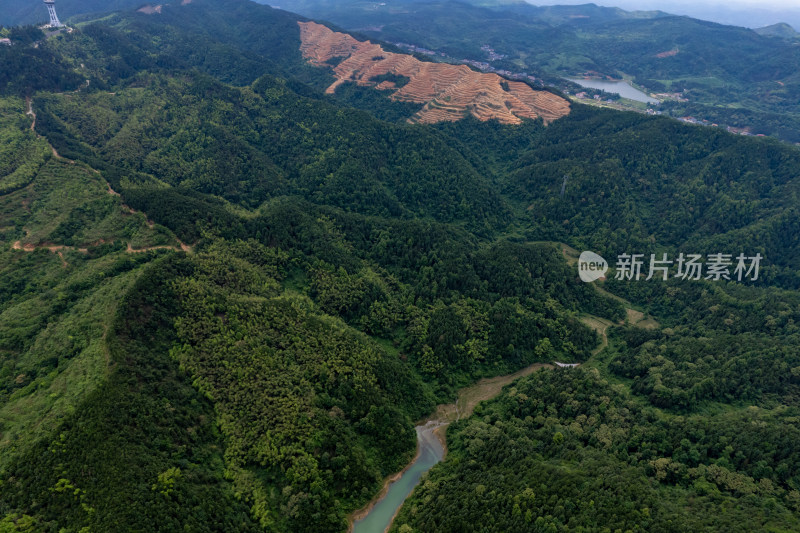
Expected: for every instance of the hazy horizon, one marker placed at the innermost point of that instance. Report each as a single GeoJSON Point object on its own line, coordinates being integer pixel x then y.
{"type": "Point", "coordinates": [747, 13]}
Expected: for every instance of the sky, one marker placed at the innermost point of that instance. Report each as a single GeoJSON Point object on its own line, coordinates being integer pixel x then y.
{"type": "Point", "coordinates": [748, 13]}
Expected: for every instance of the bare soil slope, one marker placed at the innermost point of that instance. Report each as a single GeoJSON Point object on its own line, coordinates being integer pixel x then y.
{"type": "Point", "coordinates": [449, 92]}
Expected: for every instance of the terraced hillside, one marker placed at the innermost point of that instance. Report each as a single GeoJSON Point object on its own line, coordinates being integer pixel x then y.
{"type": "Point", "coordinates": [449, 92]}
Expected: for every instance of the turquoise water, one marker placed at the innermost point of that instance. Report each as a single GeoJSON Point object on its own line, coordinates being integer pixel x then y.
{"type": "Point", "coordinates": [430, 452]}
{"type": "Point", "coordinates": [622, 88]}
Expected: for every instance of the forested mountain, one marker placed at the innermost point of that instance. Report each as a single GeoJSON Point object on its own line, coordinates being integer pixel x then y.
{"type": "Point", "coordinates": [780, 30]}
{"type": "Point", "coordinates": [724, 74]}
{"type": "Point", "coordinates": [17, 12]}
{"type": "Point", "coordinates": [226, 297]}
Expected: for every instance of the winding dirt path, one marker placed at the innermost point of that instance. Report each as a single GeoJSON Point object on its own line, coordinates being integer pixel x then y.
{"type": "Point", "coordinates": [600, 325]}
{"type": "Point", "coordinates": [182, 247]}
{"type": "Point", "coordinates": [131, 211]}
{"type": "Point", "coordinates": [30, 112]}
{"type": "Point", "coordinates": [60, 248]}
{"type": "Point", "coordinates": [54, 248]}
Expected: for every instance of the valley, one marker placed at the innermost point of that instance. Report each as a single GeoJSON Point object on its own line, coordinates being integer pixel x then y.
{"type": "Point", "coordinates": [259, 265]}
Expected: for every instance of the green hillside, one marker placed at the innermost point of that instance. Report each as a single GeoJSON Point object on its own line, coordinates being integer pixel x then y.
{"type": "Point", "coordinates": [227, 298]}
{"type": "Point", "coordinates": [780, 30]}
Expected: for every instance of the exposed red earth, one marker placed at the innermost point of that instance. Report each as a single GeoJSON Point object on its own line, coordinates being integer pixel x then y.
{"type": "Point", "coordinates": [449, 92]}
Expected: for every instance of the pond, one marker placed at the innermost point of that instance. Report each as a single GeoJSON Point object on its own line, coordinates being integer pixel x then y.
{"type": "Point", "coordinates": [622, 88]}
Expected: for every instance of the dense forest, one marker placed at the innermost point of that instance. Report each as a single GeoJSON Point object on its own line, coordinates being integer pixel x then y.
{"type": "Point", "coordinates": [226, 298]}
{"type": "Point", "coordinates": [566, 450]}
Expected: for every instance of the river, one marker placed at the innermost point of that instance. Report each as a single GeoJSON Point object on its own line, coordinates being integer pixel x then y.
{"type": "Point", "coordinates": [622, 88]}
{"type": "Point", "coordinates": [378, 516]}
{"type": "Point", "coordinates": [429, 452]}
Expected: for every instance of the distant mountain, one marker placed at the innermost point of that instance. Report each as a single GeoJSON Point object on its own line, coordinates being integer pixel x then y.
{"type": "Point", "coordinates": [782, 30]}
{"type": "Point", "coordinates": [560, 14]}
{"type": "Point", "coordinates": [726, 74]}
{"type": "Point", "coordinates": [580, 14]}
{"type": "Point", "coordinates": [748, 15]}
{"type": "Point", "coordinates": [552, 15]}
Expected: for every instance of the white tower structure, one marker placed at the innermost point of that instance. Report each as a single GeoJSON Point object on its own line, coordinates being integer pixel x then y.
{"type": "Point", "coordinates": [51, 8]}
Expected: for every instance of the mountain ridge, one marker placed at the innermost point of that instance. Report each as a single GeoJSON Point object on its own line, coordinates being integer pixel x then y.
{"type": "Point", "coordinates": [780, 29]}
